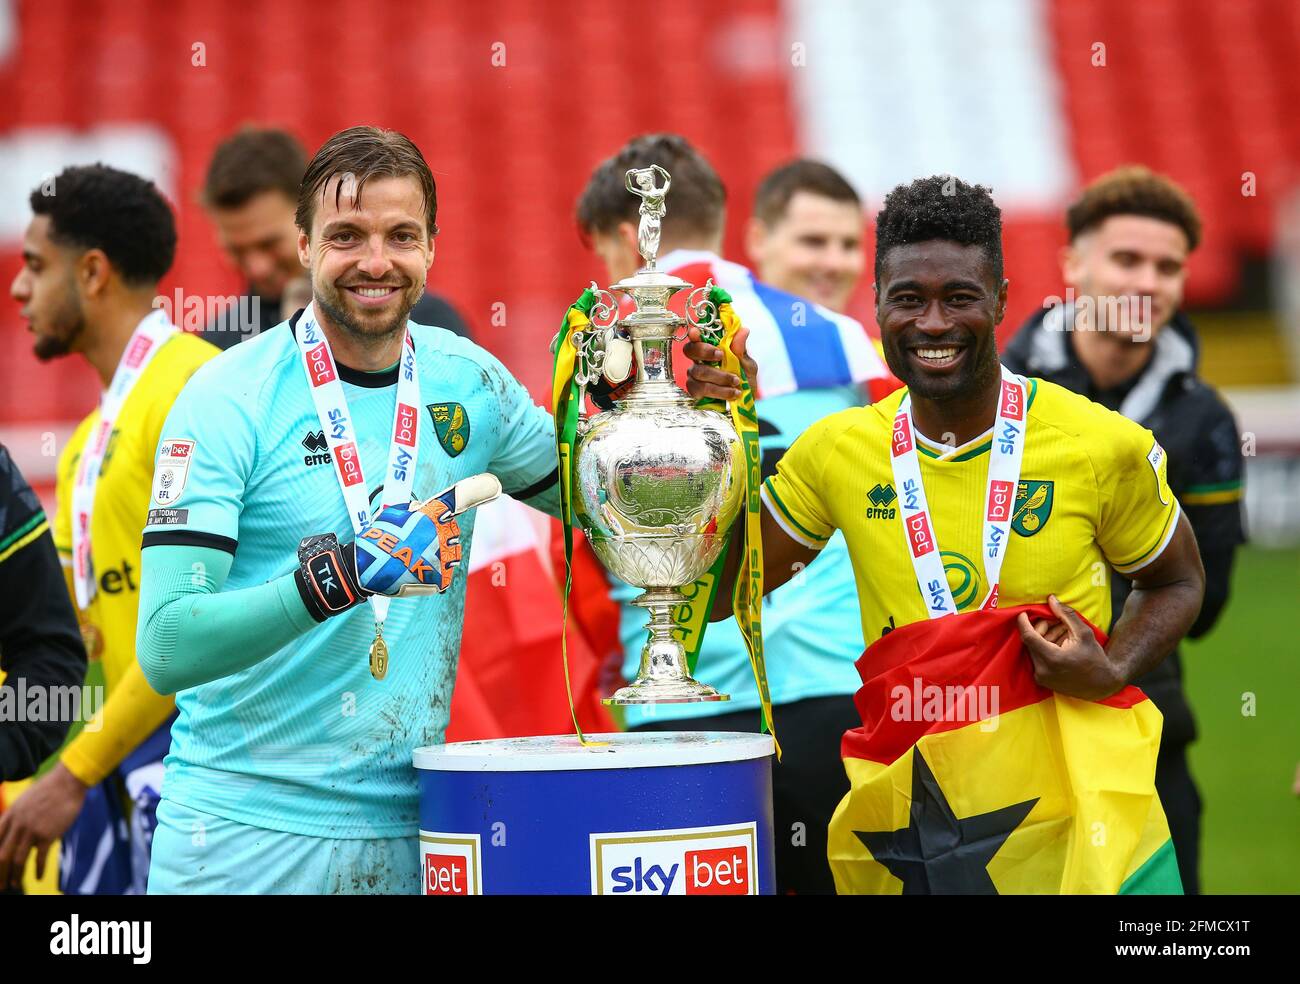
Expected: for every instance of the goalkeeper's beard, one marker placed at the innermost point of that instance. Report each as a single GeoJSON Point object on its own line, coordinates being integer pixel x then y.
{"type": "Point", "coordinates": [332, 303]}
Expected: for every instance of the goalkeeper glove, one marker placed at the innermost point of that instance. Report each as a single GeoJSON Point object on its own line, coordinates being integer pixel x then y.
{"type": "Point", "coordinates": [408, 549]}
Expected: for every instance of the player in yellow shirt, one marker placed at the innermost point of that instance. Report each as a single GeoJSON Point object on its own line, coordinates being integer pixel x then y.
{"type": "Point", "coordinates": [936, 485]}
{"type": "Point", "coordinates": [92, 259]}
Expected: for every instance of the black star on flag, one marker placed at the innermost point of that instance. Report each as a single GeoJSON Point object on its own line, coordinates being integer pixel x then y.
{"type": "Point", "coordinates": [937, 853]}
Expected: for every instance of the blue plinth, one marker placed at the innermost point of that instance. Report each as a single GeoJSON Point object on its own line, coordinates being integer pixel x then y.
{"type": "Point", "coordinates": [654, 813]}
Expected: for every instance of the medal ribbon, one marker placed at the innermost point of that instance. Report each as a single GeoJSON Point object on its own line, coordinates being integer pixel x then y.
{"type": "Point", "coordinates": [149, 335]}
{"type": "Point", "coordinates": [341, 436]}
{"type": "Point", "coordinates": [999, 499]}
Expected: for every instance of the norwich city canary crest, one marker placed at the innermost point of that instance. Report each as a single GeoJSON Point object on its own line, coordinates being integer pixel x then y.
{"type": "Point", "coordinates": [1033, 507]}
{"type": "Point", "coordinates": [452, 425]}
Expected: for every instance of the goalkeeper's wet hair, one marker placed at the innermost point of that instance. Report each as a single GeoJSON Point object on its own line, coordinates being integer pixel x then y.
{"type": "Point", "coordinates": [940, 207]}
{"type": "Point", "coordinates": [95, 206]}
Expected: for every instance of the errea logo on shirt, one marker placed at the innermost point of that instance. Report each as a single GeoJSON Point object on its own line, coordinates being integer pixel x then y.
{"type": "Point", "coordinates": [882, 499]}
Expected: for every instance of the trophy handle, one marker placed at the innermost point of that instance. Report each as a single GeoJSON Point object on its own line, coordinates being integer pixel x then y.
{"type": "Point", "coordinates": [591, 344]}
{"type": "Point", "coordinates": [702, 313]}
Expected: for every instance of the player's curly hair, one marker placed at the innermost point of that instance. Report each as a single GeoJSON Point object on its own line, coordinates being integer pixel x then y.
{"type": "Point", "coordinates": [940, 207]}
{"type": "Point", "coordinates": [95, 206]}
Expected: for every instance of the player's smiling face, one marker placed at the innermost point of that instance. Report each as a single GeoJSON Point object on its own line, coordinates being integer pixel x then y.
{"type": "Point", "coordinates": [937, 304]}
{"type": "Point", "coordinates": [46, 289]}
{"type": "Point", "coordinates": [369, 258]}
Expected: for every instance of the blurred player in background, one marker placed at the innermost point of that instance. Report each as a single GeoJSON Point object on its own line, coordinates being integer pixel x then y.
{"type": "Point", "coordinates": [93, 255]}
{"type": "Point", "coordinates": [805, 233]}
{"type": "Point", "coordinates": [250, 193]}
{"type": "Point", "coordinates": [820, 362]}
{"type": "Point", "coordinates": [1131, 232]}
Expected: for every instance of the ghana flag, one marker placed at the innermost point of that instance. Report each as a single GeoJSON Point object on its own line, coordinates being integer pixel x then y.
{"type": "Point", "coordinates": [968, 777]}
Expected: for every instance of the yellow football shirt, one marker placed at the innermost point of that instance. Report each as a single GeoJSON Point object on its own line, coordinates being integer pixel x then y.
{"type": "Point", "coordinates": [131, 711]}
{"type": "Point", "coordinates": [1092, 496]}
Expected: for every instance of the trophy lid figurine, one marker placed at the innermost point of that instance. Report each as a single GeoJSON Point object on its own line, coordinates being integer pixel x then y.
{"type": "Point", "coordinates": [658, 480]}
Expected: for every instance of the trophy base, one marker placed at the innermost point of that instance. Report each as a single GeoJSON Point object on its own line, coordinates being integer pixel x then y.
{"type": "Point", "coordinates": [664, 677]}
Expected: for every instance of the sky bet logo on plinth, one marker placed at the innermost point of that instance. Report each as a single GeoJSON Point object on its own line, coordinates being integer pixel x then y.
{"type": "Point", "coordinates": [689, 861]}
{"type": "Point", "coordinates": [451, 864]}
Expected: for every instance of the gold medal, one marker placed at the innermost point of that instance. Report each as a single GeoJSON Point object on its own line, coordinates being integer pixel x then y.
{"type": "Point", "coordinates": [379, 654]}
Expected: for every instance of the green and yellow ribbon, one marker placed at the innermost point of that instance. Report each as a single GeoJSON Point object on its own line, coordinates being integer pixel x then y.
{"type": "Point", "coordinates": [747, 595]}
{"type": "Point", "coordinates": [566, 404]}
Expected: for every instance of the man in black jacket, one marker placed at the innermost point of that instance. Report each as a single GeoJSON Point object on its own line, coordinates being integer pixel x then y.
{"type": "Point", "coordinates": [40, 643]}
{"type": "Point", "coordinates": [1119, 339]}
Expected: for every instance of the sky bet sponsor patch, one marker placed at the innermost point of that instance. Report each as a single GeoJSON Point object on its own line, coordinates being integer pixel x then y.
{"type": "Point", "coordinates": [451, 864]}
{"type": "Point", "coordinates": [689, 861]}
{"type": "Point", "coordinates": [172, 470]}
{"type": "Point", "coordinates": [1156, 459]}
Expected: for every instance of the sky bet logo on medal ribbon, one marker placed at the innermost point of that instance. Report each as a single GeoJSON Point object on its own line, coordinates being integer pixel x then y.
{"type": "Point", "coordinates": [1000, 494]}
{"type": "Point", "coordinates": [1007, 439]}
{"type": "Point", "coordinates": [918, 534]}
{"type": "Point", "coordinates": [320, 365]}
{"type": "Point", "coordinates": [911, 495]}
{"type": "Point", "coordinates": [995, 542]}
{"type": "Point", "coordinates": [404, 426]}
{"type": "Point", "coordinates": [349, 464]}
{"type": "Point", "coordinates": [140, 347]}
{"type": "Point", "coordinates": [338, 422]}
{"type": "Point", "coordinates": [1012, 406]}
{"type": "Point", "coordinates": [902, 439]}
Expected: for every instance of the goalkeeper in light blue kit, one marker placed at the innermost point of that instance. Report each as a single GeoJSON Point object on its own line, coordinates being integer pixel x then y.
{"type": "Point", "coordinates": [296, 594]}
{"type": "Point", "coordinates": [290, 765]}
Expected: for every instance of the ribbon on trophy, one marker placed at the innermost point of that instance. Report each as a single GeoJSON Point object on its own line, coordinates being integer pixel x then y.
{"type": "Point", "coordinates": [747, 595]}
{"type": "Point", "coordinates": [566, 405]}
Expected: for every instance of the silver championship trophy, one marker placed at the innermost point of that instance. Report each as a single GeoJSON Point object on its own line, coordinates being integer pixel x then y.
{"type": "Point", "coordinates": [658, 480]}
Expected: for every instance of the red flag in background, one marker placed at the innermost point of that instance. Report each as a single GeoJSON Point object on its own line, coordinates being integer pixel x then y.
{"type": "Point", "coordinates": [511, 681]}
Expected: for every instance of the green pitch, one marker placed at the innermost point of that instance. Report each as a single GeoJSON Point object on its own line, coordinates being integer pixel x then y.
{"type": "Point", "coordinates": [1244, 762]}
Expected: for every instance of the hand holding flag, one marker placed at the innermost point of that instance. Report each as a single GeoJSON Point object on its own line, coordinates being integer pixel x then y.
{"type": "Point", "coordinates": [1066, 655]}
